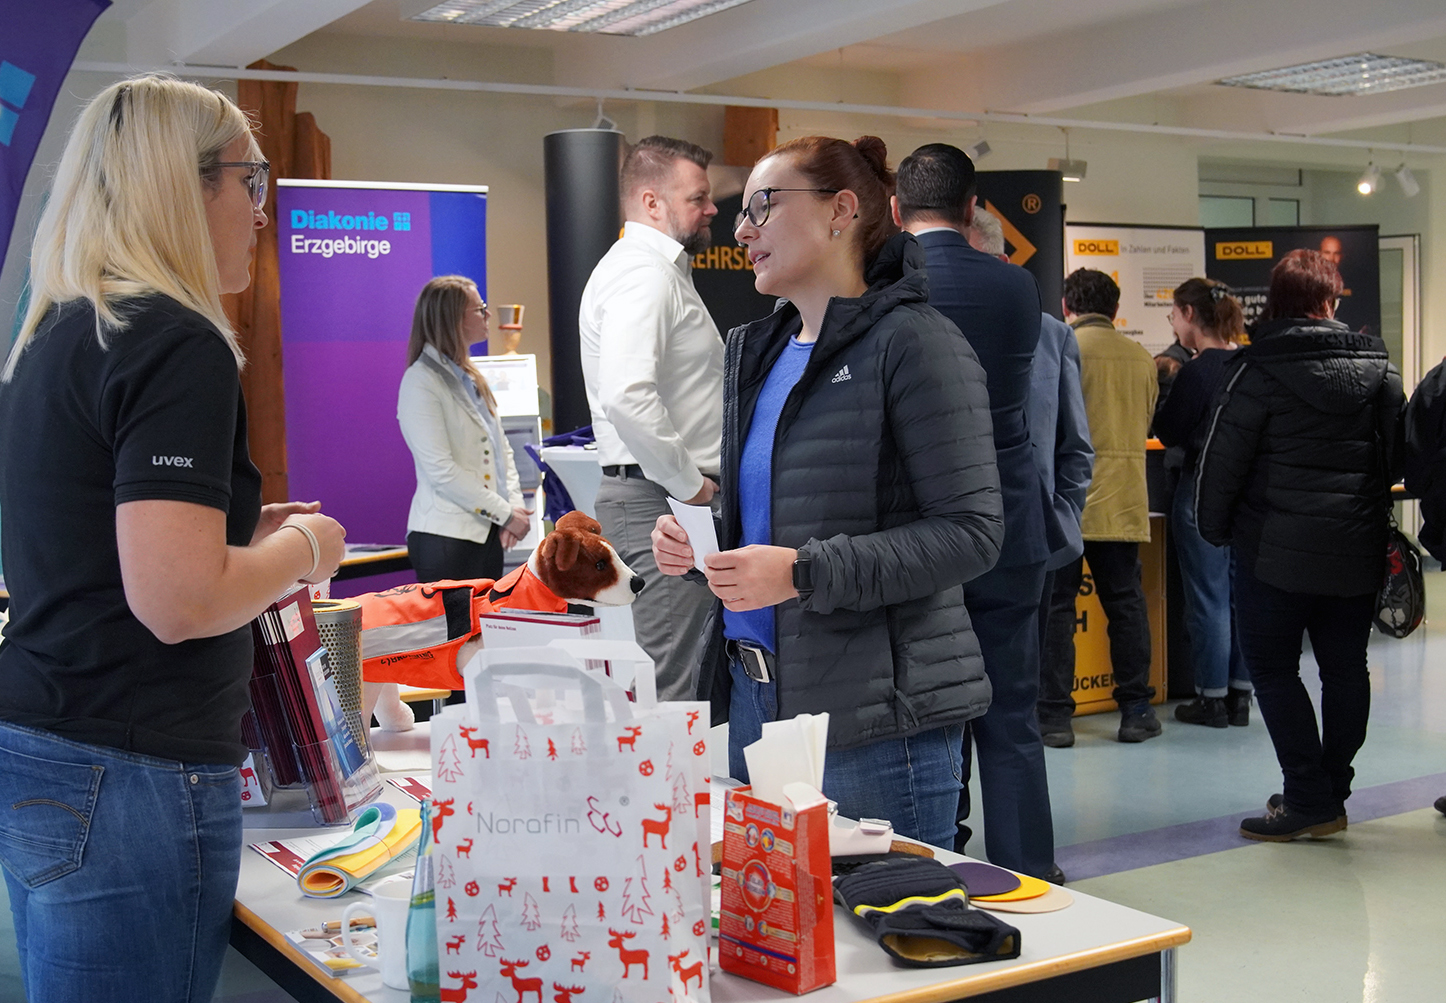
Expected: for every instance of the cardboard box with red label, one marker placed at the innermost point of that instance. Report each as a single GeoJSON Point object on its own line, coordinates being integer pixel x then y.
{"type": "Point", "coordinates": [776, 924]}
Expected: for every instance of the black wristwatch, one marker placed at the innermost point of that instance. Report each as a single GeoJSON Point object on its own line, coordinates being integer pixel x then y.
{"type": "Point", "coordinates": [803, 575]}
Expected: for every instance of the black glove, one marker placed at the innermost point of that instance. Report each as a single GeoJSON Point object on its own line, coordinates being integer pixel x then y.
{"type": "Point", "coordinates": [919, 911]}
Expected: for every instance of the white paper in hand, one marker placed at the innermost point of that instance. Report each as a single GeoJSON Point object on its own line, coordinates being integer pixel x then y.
{"type": "Point", "coordinates": [697, 522]}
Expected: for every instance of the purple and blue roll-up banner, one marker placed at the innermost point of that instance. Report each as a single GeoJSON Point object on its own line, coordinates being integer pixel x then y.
{"type": "Point", "coordinates": [353, 257]}
{"type": "Point", "coordinates": [38, 42]}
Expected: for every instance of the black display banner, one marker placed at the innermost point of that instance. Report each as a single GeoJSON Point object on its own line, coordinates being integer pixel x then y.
{"type": "Point", "coordinates": [723, 275]}
{"type": "Point", "coordinates": [1242, 258]}
{"type": "Point", "coordinates": [1030, 205]}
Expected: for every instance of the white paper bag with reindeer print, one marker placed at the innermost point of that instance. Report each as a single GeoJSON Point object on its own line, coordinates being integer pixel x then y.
{"type": "Point", "coordinates": [571, 837]}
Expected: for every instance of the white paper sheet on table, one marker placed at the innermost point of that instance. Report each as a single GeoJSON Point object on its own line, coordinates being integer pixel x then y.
{"type": "Point", "coordinates": [697, 522]}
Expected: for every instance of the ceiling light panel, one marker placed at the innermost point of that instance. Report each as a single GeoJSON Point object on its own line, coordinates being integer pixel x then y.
{"type": "Point", "coordinates": [612, 17]}
{"type": "Point", "coordinates": [1364, 73]}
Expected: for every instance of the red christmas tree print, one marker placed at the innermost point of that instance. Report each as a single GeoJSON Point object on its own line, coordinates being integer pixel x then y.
{"type": "Point", "coordinates": [531, 920]}
{"type": "Point", "coordinates": [489, 935]}
{"type": "Point", "coordinates": [522, 748]}
{"type": "Point", "coordinates": [682, 797]}
{"type": "Point", "coordinates": [578, 746]}
{"type": "Point", "coordinates": [635, 895]}
{"type": "Point", "coordinates": [449, 764]}
{"type": "Point", "coordinates": [446, 878]}
{"type": "Point", "coordinates": [551, 750]}
{"type": "Point", "coordinates": [451, 911]}
{"type": "Point", "coordinates": [570, 932]}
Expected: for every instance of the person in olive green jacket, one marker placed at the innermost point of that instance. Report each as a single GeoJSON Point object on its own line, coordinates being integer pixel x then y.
{"type": "Point", "coordinates": [1118, 378]}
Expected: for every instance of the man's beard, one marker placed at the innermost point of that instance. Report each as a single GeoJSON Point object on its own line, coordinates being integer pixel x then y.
{"type": "Point", "coordinates": [696, 242]}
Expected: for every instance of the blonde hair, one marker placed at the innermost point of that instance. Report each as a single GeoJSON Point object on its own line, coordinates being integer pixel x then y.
{"type": "Point", "coordinates": [437, 321]}
{"type": "Point", "coordinates": [126, 214]}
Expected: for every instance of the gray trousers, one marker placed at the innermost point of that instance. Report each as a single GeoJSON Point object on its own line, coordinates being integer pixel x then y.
{"type": "Point", "coordinates": [668, 614]}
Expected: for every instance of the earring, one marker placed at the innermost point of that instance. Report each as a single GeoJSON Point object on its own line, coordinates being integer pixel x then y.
{"type": "Point", "coordinates": [836, 233]}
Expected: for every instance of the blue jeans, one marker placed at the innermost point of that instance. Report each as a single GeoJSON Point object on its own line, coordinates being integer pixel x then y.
{"type": "Point", "coordinates": [121, 869]}
{"type": "Point", "coordinates": [913, 782]}
{"type": "Point", "coordinates": [1205, 574]}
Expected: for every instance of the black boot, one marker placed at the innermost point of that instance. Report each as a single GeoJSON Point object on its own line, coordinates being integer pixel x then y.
{"type": "Point", "coordinates": [1209, 711]}
{"type": "Point", "coordinates": [1285, 824]}
{"type": "Point", "coordinates": [1237, 706]}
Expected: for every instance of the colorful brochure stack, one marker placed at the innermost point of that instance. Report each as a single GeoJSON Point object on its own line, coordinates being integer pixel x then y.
{"type": "Point", "coordinates": [381, 834]}
{"type": "Point", "coordinates": [299, 714]}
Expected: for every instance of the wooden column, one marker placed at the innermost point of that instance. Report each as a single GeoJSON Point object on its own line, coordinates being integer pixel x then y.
{"type": "Point", "coordinates": [748, 133]}
{"type": "Point", "coordinates": [296, 148]}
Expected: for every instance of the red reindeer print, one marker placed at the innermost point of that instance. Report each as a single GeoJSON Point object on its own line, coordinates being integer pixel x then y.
{"type": "Point", "coordinates": [459, 995]}
{"type": "Point", "coordinates": [443, 810]}
{"type": "Point", "coordinates": [475, 743]}
{"type": "Point", "coordinates": [506, 887]}
{"type": "Point", "coordinates": [631, 738]}
{"type": "Point", "coordinates": [565, 993]}
{"type": "Point", "coordinates": [464, 848]}
{"type": "Point", "coordinates": [692, 719]}
{"type": "Point", "coordinates": [247, 771]}
{"type": "Point", "coordinates": [454, 944]}
{"type": "Point", "coordinates": [509, 971]}
{"type": "Point", "coordinates": [656, 827]}
{"type": "Point", "coordinates": [629, 958]}
{"type": "Point", "coordinates": [701, 800]}
{"type": "Point", "coordinates": [579, 963]}
{"type": "Point", "coordinates": [693, 971]}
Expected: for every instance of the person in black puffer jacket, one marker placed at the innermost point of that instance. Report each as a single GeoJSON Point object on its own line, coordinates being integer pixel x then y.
{"type": "Point", "coordinates": [859, 492]}
{"type": "Point", "coordinates": [1295, 474]}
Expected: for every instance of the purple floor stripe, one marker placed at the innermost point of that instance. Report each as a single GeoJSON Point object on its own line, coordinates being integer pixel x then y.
{"type": "Point", "coordinates": [1211, 835]}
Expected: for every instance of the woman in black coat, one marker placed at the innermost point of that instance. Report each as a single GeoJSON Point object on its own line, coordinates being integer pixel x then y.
{"type": "Point", "coordinates": [1295, 474]}
{"type": "Point", "coordinates": [859, 492]}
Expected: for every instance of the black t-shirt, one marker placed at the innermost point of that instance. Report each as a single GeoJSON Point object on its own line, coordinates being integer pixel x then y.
{"type": "Point", "coordinates": [158, 414]}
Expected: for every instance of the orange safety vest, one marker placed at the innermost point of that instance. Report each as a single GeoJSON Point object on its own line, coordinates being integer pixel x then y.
{"type": "Point", "coordinates": [411, 634]}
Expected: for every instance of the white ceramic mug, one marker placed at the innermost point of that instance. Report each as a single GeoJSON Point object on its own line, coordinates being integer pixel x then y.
{"type": "Point", "coordinates": [389, 902]}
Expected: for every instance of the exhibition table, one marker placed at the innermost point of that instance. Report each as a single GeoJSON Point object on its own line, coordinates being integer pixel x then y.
{"type": "Point", "coordinates": [372, 559]}
{"type": "Point", "coordinates": [1091, 952]}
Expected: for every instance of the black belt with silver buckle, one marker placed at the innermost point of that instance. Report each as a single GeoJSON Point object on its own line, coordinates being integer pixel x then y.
{"type": "Point", "coordinates": [622, 470]}
{"type": "Point", "coordinates": [758, 663]}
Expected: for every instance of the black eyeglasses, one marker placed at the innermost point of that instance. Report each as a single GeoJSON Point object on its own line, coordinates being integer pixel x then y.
{"type": "Point", "coordinates": [761, 201]}
{"type": "Point", "coordinates": [256, 180]}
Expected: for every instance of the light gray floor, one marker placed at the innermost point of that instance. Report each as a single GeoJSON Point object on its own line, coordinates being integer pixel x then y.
{"type": "Point", "coordinates": [1358, 917]}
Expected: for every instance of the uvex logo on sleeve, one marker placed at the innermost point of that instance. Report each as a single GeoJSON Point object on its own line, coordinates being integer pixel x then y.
{"type": "Point", "coordinates": [171, 461]}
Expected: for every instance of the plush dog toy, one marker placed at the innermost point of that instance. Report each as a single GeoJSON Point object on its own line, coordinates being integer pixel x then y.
{"type": "Point", "coordinates": [421, 635]}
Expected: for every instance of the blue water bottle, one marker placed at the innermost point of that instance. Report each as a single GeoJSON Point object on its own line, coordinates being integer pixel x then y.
{"type": "Point", "coordinates": [423, 972]}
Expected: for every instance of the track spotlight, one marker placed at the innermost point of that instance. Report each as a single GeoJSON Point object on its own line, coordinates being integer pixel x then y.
{"type": "Point", "coordinates": [1370, 181]}
{"type": "Point", "coordinates": [978, 151]}
{"type": "Point", "coordinates": [1410, 187]}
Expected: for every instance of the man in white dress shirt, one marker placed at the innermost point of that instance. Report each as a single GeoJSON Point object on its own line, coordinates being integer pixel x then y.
{"type": "Point", "coordinates": [652, 361]}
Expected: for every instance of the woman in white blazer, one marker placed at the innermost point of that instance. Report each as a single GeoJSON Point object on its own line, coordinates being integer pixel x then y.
{"type": "Point", "coordinates": [468, 505]}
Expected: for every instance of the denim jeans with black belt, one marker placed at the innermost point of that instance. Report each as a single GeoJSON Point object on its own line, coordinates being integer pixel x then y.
{"type": "Point", "coordinates": [913, 782]}
{"type": "Point", "coordinates": [121, 869]}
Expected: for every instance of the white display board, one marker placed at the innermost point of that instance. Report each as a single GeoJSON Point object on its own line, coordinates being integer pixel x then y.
{"type": "Point", "coordinates": [1147, 262]}
{"type": "Point", "coordinates": [513, 379]}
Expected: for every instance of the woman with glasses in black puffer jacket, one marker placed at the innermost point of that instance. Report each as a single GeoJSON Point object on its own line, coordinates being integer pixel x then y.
{"type": "Point", "coordinates": [859, 492]}
{"type": "Point", "coordinates": [1295, 474]}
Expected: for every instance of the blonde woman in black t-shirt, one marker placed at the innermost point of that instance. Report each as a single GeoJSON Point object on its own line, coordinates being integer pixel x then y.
{"type": "Point", "coordinates": [136, 551]}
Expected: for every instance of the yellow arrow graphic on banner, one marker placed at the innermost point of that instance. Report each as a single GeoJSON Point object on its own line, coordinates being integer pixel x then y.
{"type": "Point", "coordinates": [1023, 249]}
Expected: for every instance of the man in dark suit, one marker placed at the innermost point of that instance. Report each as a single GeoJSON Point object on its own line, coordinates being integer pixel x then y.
{"type": "Point", "coordinates": [996, 306]}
